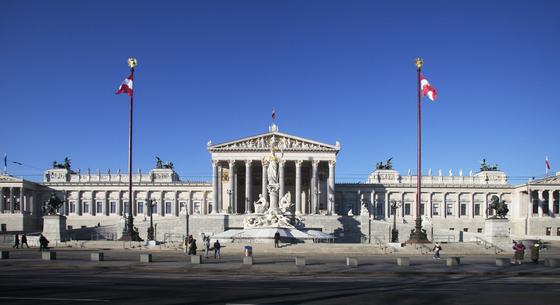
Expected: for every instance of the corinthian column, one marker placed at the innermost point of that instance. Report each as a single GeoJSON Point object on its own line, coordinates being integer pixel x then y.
{"type": "Point", "coordinates": [231, 190]}
{"type": "Point", "coordinates": [281, 164]}
{"type": "Point", "coordinates": [298, 186]}
{"type": "Point", "coordinates": [264, 179]}
{"type": "Point", "coordinates": [215, 181]}
{"type": "Point", "coordinates": [314, 189]}
{"type": "Point", "coordinates": [330, 189]}
{"type": "Point", "coordinates": [248, 187]}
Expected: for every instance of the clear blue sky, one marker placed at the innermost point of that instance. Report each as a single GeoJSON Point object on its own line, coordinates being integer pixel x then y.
{"type": "Point", "coordinates": [334, 70]}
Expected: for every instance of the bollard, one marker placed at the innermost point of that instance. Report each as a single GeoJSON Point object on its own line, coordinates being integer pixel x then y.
{"type": "Point", "coordinates": [453, 261]}
{"type": "Point", "coordinates": [552, 262]}
{"type": "Point", "coordinates": [48, 256]}
{"type": "Point", "coordinates": [196, 259]}
{"type": "Point", "coordinates": [145, 258]}
{"type": "Point", "coordinates": [501, 262]}
{"type": "Point", "coordinates": [97, 257]}
{"type": "Point", "coordinates": [403, 261]}
{"type": "Point", "coordinates": [300, 261]}
{"type": "Point", "coordinates": [352, 262]}
{"type": "Point", "coordinates": [5, 255]}
{"type": "Point", "coordinates": [247, 260]}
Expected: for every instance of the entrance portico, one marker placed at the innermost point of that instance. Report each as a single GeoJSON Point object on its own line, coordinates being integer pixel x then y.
{"type": "Point", "coordinates": [305, 169]}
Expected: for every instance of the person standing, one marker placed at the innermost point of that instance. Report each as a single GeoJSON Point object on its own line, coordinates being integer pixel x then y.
{"type": "Point", "coordinates": [518, 252]}
{"type": "Point", "coordinates": [24, 241]}
{"type": "Point", "coordinates": [186, 244]}
{"type": "Point", "coordinates": [16, 241]}
{"type": "Point", "coordinates": [217, 247]}
{"type": "Point", "coordinates": [206, 243]}
{"type": "Point", "coordinates": [534, 252]}
{"type": "Point", "coordinates": [277, 239]}
{"type": "Point", "coordinates": [436, 249]}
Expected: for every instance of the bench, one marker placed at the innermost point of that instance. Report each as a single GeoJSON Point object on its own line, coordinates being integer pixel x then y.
{"type": "Point", "coordinates": [453, 261]}
{"type": "Point", "coordinates": [352, 262]}
{"type": "Point", "coordinates": [97, 257]}
{"type": "Point", "coordinates": [196, 259]}
{"type": "Point", "coordinates": [247, 260]}
{"type": "Point", "coordinates": [145, 258]}
{"type": "Point", "coordinates": [48, 256]}
{"type": "Point", "coordinates": [403, 261]}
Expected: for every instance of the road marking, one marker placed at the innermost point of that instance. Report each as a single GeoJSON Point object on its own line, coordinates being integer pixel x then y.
{"type": "Point", "coordinates": [53, 299]}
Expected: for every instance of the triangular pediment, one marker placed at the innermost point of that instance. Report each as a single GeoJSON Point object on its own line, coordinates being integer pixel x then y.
{"type": "Point", "coordinates": [6, 178]}
{"type": "Point", "coordinates": [284, 142]}
{"type": "Point", "coordinates": [553, 180]}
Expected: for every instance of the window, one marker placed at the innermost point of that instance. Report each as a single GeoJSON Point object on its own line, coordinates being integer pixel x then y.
{"type": "Point", "coordinates": [451, 229]}
{"type": "Point", "coordinates": [167, 207]}
{"type": "Point", "coordinates": [407, 209]}
{"type": "Point", "coordinates": [210, 208]}
{"type": "Point", "coordinates": [465, 229]}
{"type": "Point", "coordinates": [196, 207]}
{"type": "Point", "coordinates": [477, 209]}
{"type": "Point", "coordinates": [86, 206]}
{"type": "Point", "coordinates": [4, 228]}
{"type": "Point", "coordinates": [435, 209]}
{"type": "Point", "coordinates": [70, 227]}
{"type": "Point", "coordinates": [140, 207]}
{"type": "Point", "coordinates": [479, 230]}
{"type": "Point", "coordinates": [72, 206]}
{"type": "Point", "coordinates": [449, 209]}
{"type": "Point", "coordinates": [422, 209]}
{"type": "Point", "coordinates": [548, 231]}
{"type": "Point", "coordinates": [558, 231]}
{"type": "Point", "coordinates": [113, 205]}
{"type": "Point", "coordinates": [83, 227]}
{"type": "Point", "coordinates": [125, 204]}
{"type": "Point", "coordinates": [535, 207]}
{"type": "Point", "coordinates": [463, 209]}
{"type": "Point", "coordinates": [182, 206]}
{"type": "Point", "coordinates": [154, 207]}
{"type": "Point", "coordinates": [99, 207]}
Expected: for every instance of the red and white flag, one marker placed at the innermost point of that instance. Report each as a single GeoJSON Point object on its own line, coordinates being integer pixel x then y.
{"type": "Point", "coordinates": [273, 114]}
{"type": "Point", "coordinates": [547, 164]}
{"type": "Point", "coordinates": [427, 89]}
{"type": "Point", "coordinates": [126, 86]}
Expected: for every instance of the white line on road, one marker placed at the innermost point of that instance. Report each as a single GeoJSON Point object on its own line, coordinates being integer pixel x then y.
{"type": "Point", "coordinates": [53, 299]}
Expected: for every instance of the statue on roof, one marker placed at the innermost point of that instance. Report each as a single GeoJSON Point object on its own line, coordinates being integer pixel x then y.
{"type": "Point", "coordinates": [486, 167]}
{"type": "Point", "coordinates": [163, 165]}
{"type": "Point", "coordinates": [64, 165]}
{"type": "Point", "coordinates": [387, 165]}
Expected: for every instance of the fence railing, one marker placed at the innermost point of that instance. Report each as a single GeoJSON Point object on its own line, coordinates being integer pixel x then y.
{"type": "Point", "coordinates": [444, 238]}
{"type": "Point", "coordinates": [488, 245]}
{"type": "Point", "coordinates": [103, 235]}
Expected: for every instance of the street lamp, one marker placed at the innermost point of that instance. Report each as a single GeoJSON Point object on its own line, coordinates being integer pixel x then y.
{"type": "Point", "coordinates": [231, 205]}
{"type": "Point", "coordinates": [394, 232]}
{"type": "Point", "coordinates": [150, 205]}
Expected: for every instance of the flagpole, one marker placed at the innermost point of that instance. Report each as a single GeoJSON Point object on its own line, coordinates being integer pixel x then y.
{"type": "Point", "coordinates": [129, 233]}
{"type": "Point", "coordinates": [418, 235]}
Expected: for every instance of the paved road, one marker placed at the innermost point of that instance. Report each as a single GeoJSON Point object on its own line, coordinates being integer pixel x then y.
{"type": "Point", "coordinates": [73, 279]}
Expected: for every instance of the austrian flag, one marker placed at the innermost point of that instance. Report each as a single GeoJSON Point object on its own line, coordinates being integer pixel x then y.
{"type": "Point", "coordinates": [126, 86]}
{"type": "Point", "coordinates": [427, 89]}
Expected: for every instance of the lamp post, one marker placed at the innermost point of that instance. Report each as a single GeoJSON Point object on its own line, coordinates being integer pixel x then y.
{"type": "Point", "coordinates": [231, 205]}
{"type": "Point", "coordinates": [394, 232]}
{"type": "Point", "coordinates": [150, 205]}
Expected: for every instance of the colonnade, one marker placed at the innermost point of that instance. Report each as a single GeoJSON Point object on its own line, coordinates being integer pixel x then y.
{"type": "Point", "coordinates": [18, 200]}
{"type": "Point", "coordinates": [232, 185]}
{"type": "Point", "coordinates": [544, 202]}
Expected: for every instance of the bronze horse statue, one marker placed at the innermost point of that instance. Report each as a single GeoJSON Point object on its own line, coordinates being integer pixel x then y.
{"type": "Point", "coordinates": [499, 206]}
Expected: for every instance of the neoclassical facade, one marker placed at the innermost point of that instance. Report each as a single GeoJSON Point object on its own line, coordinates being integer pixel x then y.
{"type": "Point", "coordinates": [451, 205]}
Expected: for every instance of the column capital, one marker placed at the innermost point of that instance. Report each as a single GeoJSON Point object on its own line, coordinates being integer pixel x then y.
{"type": "Point", "coordinates": [298, 163]}
{"type": "Point", "coordinates": [315, 163]}
{"type": "Point", "coordinates": [248, 163]}
{"type": "Point", "coordinates": [281, 162]}
{"type": "Point", "coordinates": [215, 162]}
{"type": "Point", "coordinates": [264, 162]}
{"type": "Point", "coordinates": [231, 163]}
{"type": "Point", "coordinates": [332, 163]}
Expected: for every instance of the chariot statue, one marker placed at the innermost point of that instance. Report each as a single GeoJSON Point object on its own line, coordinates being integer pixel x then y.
{"type": "Point", "coordinates": [387, 165]}
{"type": "Point", "coordinates": [163, 165]}
{"type": "Point", "coordinates": [499, 206]}
{"type": "Point", "coordinates": [486, 167]}
{"type": "Point", "coordinates": [64, 165]}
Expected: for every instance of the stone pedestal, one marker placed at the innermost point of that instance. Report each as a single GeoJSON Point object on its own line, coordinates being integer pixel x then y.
{"type": "Point", "coordinates": [54, 228]}
{"type": "Point", "coordinates": [496, 231]}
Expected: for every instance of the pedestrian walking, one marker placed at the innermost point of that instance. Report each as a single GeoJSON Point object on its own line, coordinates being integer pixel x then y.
{"type": "Point", "coordinates": [186, 245]}
{"type": "Point", "coordinates": [277, 239]}
{"type": "Point", "coordinates": [193, 247]}
{"type": "Point", "coordinates": [518, 252]}
{"type": "Point", "coordinates": [24, 241]}
{"type": "Point", "coordinates": [437, 249]}
{"type": "Point", "coordinates": [217, 247]}
{"type": "Point", "coordinates": [16, 241]}
{"type": "Point", "coordinates": [534, 252]}
{"type": "Point", "coordinates": [43, 243]}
